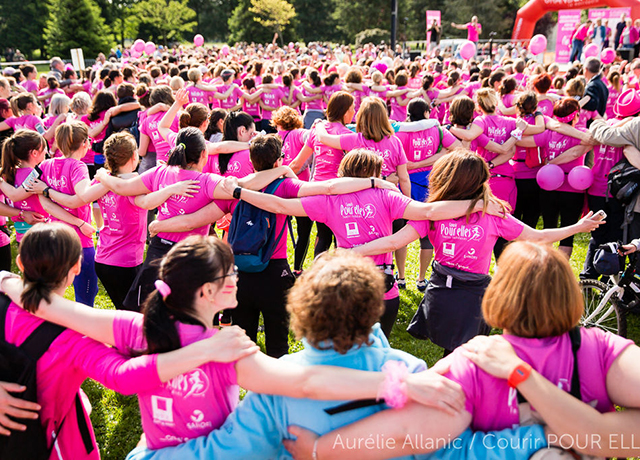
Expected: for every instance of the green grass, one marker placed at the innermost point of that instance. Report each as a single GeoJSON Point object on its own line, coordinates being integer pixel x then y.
{"type": "Point", "coordinates": [116, 418]}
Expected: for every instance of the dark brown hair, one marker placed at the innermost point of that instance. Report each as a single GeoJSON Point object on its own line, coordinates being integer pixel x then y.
{"type": "Point", "coordinates": [119, 148]}
{"type": "Point", "coordinates": [339, 103]}
{"type": "Point", "coordinates": [16, 149]}
{"type": "Point", "coordinates": [194, 115]}
{"type": "Point", "coordinates": [265, 151]}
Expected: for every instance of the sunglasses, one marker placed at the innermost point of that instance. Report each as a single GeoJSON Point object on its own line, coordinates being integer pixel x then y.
{"type": "Point", "coordinates": [233, 273]}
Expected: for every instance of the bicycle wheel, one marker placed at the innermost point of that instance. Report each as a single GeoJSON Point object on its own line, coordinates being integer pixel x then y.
{"type": "Point", "coordinates": [602, 308]}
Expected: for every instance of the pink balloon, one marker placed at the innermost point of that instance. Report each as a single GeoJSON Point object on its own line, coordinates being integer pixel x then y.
{"type": "Point", "coordinates": [291, 45]}
{"type": "Point", "coordinates": [225, 50]}
{"type": "Point", "coordinates": [135, 54]}
{"type": "Point", "coordinates": [149, 48]}
{"type": "Point", "coordinates": [467, 50]}
{"type": "Point", "coordinates": [538, 44]}
{"type": "Point", "coordinates": [380, 66]}
{"type": "Point", "coordinates": [591, 50]}
{"type": "Point", "coordinates": [580, 177]}
{"type": "Point", "coordinates": [550, 177]}
{"type": "Point", "coordinates": [198, 40]}
{"type": "Point", "coordinates": [608, 55]}
{"type": "Point", "coordinates": [138, 46]}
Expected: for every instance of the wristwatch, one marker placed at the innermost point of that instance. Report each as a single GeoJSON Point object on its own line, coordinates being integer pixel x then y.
{"type": "Point", "coordinates": [236, 192]}
{"type": "Point", "coordinates": [519, 375]}
{"type": "Point", "coordinates": [45, 192]}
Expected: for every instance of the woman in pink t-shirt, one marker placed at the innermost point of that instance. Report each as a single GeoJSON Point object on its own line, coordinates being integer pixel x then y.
{"type": "Point", "coordinates": [270, 100]}
{"type": "Point", "coordinates": [615, 88]}
{"type": "Point", "coordinates": [49, 259]}
{"type": "Point", "coordinates": [97, 120]}
{"type": "Point", "coordinates": [449, 315]}
{"type": "Point", "coordinates": [312, 87]}
{"type": "Point", "coordinates": [27, 113]}
{"type": "Point", "coordinates": [541, 84]}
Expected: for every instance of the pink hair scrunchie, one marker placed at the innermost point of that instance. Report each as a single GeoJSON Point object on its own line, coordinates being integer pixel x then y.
{"type": "Point", "coordinates": [394, 389]}
{"type": "Point", "coordinates": [163, 288]}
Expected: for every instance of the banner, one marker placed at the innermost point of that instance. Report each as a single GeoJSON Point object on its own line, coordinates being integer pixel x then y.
{"type": "Point", "coordinates": [567, 22]}
{"type": "Point", "coordinates": [431, 15]}
{"type": "Point", "coordinates": [609, 15]}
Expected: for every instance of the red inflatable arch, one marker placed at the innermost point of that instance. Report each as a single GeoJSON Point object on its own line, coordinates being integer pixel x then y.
{"type": "Point", "coordinates": [529, 14]}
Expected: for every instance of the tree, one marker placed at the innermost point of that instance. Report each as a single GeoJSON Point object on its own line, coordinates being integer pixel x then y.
{"type": "Point", "coordinates": [315, 20]}
{"type": "Point", "coordinates": [76, 24]}
{"type": "Point", "coordinates": [243, 28]}
{"type": "Point", "coordinates": [273, 14]}
{"type": "Point", "coordinates": [21, 25]}
{"type": "Point", "coordinates": [358, 15]}
{"type": "Point", "coordinates": [212, 17]}
{"type": "Point", "coordinates": [170, 19]}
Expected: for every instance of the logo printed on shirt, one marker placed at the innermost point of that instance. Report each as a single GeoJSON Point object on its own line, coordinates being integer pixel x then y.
{"type": "Point", "coordinates": [449, 249]}
{"type": "Point", "coordinates": [471, 254]}
{"type": "Point", "coordinates": [462, 232]}
{"type": "Point", "coordinates": [198, 422]}
{"type": "Point", "coordinates": [162, 410]}
{"type": "Point", "coordinates": [352, 229]}
{"type": "Point", "coordinates": [368, 211]}
{"type": "Point", "coordinates": [194, 383]}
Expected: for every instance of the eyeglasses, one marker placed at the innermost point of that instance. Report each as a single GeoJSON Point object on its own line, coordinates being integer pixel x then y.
{"type": "Point", "coordinates": [233, 273]}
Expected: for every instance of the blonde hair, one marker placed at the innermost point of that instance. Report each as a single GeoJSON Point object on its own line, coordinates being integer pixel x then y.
{"type": "Point", "coordinates": [575, 87]}
{"type": "Point", "coordinates": [176, 83]}
{"type": "Point", "coordinates": [360, 163]}
{"type": "Point", "coordinates": [59, 104]}
{"type": "Point", "coordinates": [80, 103]}
{"type": "Point", "coordinates": [547, 304]}
{"type": "Point", "coordinates": [487, 100]}
{"type": "Point", "coordinates": [372, 120]}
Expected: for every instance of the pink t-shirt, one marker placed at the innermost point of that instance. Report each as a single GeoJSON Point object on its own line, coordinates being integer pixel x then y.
{"type": "Point", "coordinates": [422, 145]}
{"type": "Point", "coordinates": [520, 169]}
{"type": "Point", "coordinates": [357, 218]}
{"type": "Point", "coordinates": [45, 92]}
{"type": "Point", "coordinates": [473, 31]}
{"type": "Point", "coordinates": [546, 107]}
{"type": "Point", "coordinates": [398, 112]}
{"type": "Point", "coordinates": [30, 204]}
{"type": "Point", "coordinates": [509, 101]}
{"type": "Point", "coordinates": [30, 86]}
{"type": "Point", "coordinates": [89, 157]}
{"type": "Point", "coordinates": [498, 129]}
{"type": "Point", "coordinates": [122, 239]}
{"type": "Point", "coordinates": [316, 104]}
{"type": "Point", "coordinates": [198, 95]}
{"type": "Point", "coordinates": [389, 148]}
{"type": "Point", "coordinates": [611, 100]}
{"type": "Point", "coordinates": [292, 143]}
{"type": "Point", "coordinates": [149, 127]}
{"type": "Point", "coordinates": [604, 158]}
{"type": "Point", "coordinates": [251, 109]}
{"type": "Point", "coordinates": [329, 91]}
{"type": "Point", "coordinates": [62, 174]}
{"type": "Point", "coordinates": [556, 144]}
{"type": "Point", "coordinates": [359, 96]}
{"type": "Point", "coordinates": [493, 404]}
{"type": "Point", "coordinates": [585, 115]}
{"type": "Point", "coordinates": [466, 245]}
{"type": "Point", "coordinates": [190, 405]}
{"type": "Point", "coordinates": [327, 160]}
{"type": "Point", "coordinates": [274, 99]}
{"type": "Point", "coordinates": [239, 165]}
{"type": "Point", "coordinates": [232, 100]}
{"type": "Point", "coordinates": [70, 359]}
{"type": "Point", "coordinates": [162, 176]}
{"type": "Point", "coordinates": [26, 122]}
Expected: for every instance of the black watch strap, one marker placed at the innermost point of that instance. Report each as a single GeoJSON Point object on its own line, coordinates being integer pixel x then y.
{"type": "Point", "coordinates": [236, 192]}
{"type": "Point", "coordinates": [45, 192]}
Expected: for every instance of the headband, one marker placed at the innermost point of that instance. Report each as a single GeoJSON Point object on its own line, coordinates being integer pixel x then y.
{"type": "Point", "coordinates": [568, 118]}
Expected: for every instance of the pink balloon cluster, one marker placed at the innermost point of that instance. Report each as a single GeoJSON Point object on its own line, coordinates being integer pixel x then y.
{"type": "Point", "coordinates": [580, 177]}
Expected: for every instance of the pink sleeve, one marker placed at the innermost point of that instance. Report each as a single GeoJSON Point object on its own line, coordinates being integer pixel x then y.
{"type": "Point", "coordinates": [226, 206]}
{"type": "Point", "coordinates": [11, 122]}
{"type": "Point", "coordinates": [397, 203]}
{"type": "Point", "coordinates": [316, 207]}
{"type": "Point", "coordinates": [144, 126]}
{"type": "Point", "coordinates": [148, 178]}
{"type": "Point", "coordinates": [211, 182]}
{"type": "Point", "coordinates": [479, 122]}
{"type": "Point", "coordinates": [482, 140]}
{"type": "Point", "coordinates": [448, 139]}
{"type": "Point", "coordinates": [463, 371]}
{"type": "Point", "coordinates": [611, 346]}
{"type": "Point", "coordinates": [114, 370]}
{"type": "Point", "coordinates": [79, 172]}
{"type": "Point", "coordinates": [420, 226]}
{"type": "Point", "coordinates": [509, 228]}
{"type": "Point", "coordinates": [289, 188]}
{"type": "Point", "coordinates": [311, 138]}
{"type": "Point", "coordinates": [349, 142]}
{"type": "Point", "coordinates": [542, 139]}
{"type": "Point", "coordinates": [127, 331]}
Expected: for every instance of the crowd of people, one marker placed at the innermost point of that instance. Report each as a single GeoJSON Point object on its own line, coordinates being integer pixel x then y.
{"type": "Point", "coordinates": [186, 168]}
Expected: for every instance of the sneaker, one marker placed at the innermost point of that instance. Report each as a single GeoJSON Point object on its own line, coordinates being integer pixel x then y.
{"type": "Point", "coordinates": [402, 284]}
{"type": "Point", "coordinates": [422, 285]}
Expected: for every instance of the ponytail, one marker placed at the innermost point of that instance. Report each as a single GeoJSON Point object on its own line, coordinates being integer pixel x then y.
{"type": "Point", "coordinates": [232, 123]}
{"type": "Point", "coordinates": [16, 149]}
{"type": "Point", "coordinates": [20, 102]}
{"type": "Point", "coordinates": [453, 78]}
{"type": "Point", "coordinates": [194, 115]}
{"type": "Point", "coordinates": [189, 147]}
{"type": "Point", "coordinates": [47, 253]}
{"type": "Point", "coordinates": [315, 77]}
{"type": "Point", "coordinates": [189, 265]}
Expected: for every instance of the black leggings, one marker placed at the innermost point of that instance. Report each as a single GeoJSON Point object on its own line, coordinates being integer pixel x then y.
{"type": "Point", "coordinates": [304, 226]}
{"type": "Point", "coordinates": [5, 257]}
{"type": "Point", "coordinates": [565, 205]}
{"type": "Point", "coordinates": [324, 238]}
{"type": "Point", "coordinates": [389, 316]}
{"type": "Point", "coordinates": [117, 281]}
{"type": "Point", "coordinates": [528, 202]}
{"type": "Point", "coordinates": [265, 292]}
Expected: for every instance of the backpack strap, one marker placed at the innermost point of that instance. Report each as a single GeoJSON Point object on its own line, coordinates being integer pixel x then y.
{"type": "Point", "coordinates": [41, 339]}
{"type": "Point", "coordinates": [576, 340]}
{"type": "Point", "coordinates": [441, 137]}
{"type": "Point", "coordinates": [83, 427]}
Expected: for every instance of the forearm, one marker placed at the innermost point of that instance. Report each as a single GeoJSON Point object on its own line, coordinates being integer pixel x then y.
{"type": "Point", "coordinates": [216, 148]}
{"type": "Point", "coordinates": [271, 203]}
{"type": "Point", "coordinates": [550, 235]}
{"type": "Point", "coordinates": [405, 184]}
{"type": "Point", "coordinates": [338, 186]}
{"type": "Point", "coordinates": [155, 199]}
{"type": "Point", "coordinates": [8, 211]}
{"type": "Point", "coordinates": [569, 155]}
{"type": "Point", "coordinates": [125, 187]}
{"type": "Point", "coordinates": [616, 136]}
{"type": "Point", "coordinates": [259, 180]}
{"type": "Point", "coordinates": [15, 194]}
{"type": "Point", "coordinates": [438, 210]}
{"type": "Point", "coordinates": [59, 213]}
{"type": "Point", "coordinates": [70, 201]}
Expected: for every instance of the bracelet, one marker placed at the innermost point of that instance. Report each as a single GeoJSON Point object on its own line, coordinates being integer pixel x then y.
{"type": "Point", "coordinates": [21, 215]}
{"type": "Point", "coordinates": [314, 454]}
{"type": "Point", "coordinates": [491, 165]}
{"type": "Point", "coordinates": [236, 192]}
{"type": "Point", "coordinates": [80, 226]}
{"type": "Point", "coordinates": [517, 133]}
{"type": "Point", "coordinates": [393, 388]}
{"type": "Point", "coordinates": [373, 182]}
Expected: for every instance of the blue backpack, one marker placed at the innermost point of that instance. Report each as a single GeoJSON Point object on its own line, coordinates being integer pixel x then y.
{"type": "Point", "coordinates": [252, 234]}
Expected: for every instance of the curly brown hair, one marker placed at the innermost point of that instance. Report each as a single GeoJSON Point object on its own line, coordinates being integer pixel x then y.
{"type": "Point", "coordinates": [286, 118]}
{"type": "Point", "coordinates": [339, 299]}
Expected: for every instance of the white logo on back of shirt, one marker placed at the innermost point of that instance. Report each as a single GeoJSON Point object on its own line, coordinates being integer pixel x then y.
{"type": "Point", "coordinates": [162, 409]}
{"type": "Point", "coordinates": [367, 211]}
{"type": "Point", "coordinates": [194, 383]}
